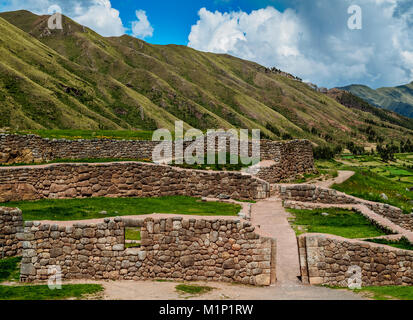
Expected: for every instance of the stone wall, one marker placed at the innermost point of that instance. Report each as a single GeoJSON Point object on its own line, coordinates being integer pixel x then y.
{"type": "Point", "coordinates": [332, 260]}
{"type": "Point", "coordinates": [290, 158]}
{"type": "Point", "coordinates": [173, 248]}
{"type": "Point", "coordinates": [311, 193]}
{"type": "Point", "coordinates": [11, 227]}
{"type": "Point", "coordinates": [130, 179]}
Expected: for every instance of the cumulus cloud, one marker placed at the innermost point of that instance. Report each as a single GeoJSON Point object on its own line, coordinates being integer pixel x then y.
{"type": "Point", "coordinates": [311, 39]}
{"type": "Point", "coordinates": [142, 28]}
{"type": "Point", "coordinates": [99, 15]}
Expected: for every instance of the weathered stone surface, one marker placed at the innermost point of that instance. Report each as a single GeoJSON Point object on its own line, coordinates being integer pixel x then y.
{"type": "Point", "coordinates": [291, 158]}
{"type": "Point", "coordinates": [166, 251]}
{"type": "Point", "coordinates": [337, 261]}
{"type": "Point", "coordinates": [11, 232]}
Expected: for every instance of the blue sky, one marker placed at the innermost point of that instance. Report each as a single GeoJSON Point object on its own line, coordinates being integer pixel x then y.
{"type": "Point", "coordinates": [308, 38]}
{"type": "Point", "coordinates": [172, 20]}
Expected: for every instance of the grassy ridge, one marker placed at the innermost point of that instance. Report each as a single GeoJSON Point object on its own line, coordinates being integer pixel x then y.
{"type": "Point", "coordinates": [369, 185]}
{"type": "Point", "coordinates": [77, 79]}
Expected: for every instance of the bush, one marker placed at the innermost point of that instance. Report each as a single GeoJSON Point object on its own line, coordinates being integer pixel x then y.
{"type": "Point", "coordinates": [326, 152]}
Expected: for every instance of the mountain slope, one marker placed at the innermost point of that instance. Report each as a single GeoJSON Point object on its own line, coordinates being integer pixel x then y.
{"type": "Point", "coordinates": [83, 80]}
{"type": "Point", "coordinates": [398, 99]}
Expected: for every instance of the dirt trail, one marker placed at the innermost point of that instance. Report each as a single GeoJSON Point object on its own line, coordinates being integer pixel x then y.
{"type": "Point", "coordinates": [342, 177]}
{"type": "Point", "coordinates": [272, 218]}
{"type": "Point", "coordinates": [154, 290]}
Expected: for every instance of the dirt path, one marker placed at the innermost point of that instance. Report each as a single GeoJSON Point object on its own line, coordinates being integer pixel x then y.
{"type": "Point", "coordinates": [272, 219]}
{"type": "Point", "coordinates": [342, 177]}
{"type": "Point", "coordinates": [154, 290]}
{"type": "Point", "coordinates": [270, 215]}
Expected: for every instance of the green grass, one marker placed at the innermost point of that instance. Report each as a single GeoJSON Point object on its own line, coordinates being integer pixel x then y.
{"type": "Point", "coordinates": [388, 292]}
{"type": "Point", "coordinates": [369, 185]}
{"type": "Point", "coordinates": [343, 223]}
{"type": "Point", "coordinates": [215, 167]}
{"type": "Point", "coordinates": [91, 208]}
{"type": "Point", "coordinates": [42, 292]}
{"type": "Point", "coordinates": [71, 134]}
{"type": "Point", "coordinates": [9, 269]}
{"type": "Point", "coordinates": [132, 234]}
{"type": "Point", "coordinates": [403, 243]}
{"type": "Point", "coordinates": [193, 289]}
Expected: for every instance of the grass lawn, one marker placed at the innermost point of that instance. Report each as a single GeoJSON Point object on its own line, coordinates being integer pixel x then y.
{"type": "Point", "coordinates": [343, 223]}
{"type": "Point", "coordinates": [132, 234]}
{"type": "Point", "coordinates": [91, 208]}
{"type": "Point", "coordinates": [388, 292]}
{"type": "Point", "coordinates": [403, 243]}
{"type": "Point", "coordinates": [216, 167]}
{"type": "Point", "coordinates": [42, 292]}
{"type": "Point", "coordinates": [9, 269]}
{"type": "Point", "coordinates": [369, 185]}
{"type": "Point", "coordinates": [192, 289]}
{"type": "Point", "coordinates": [91, 134]}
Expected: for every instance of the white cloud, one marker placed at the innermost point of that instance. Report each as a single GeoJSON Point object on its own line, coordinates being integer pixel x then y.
{"type": "Point", "coordinates": [99, 15]}
{"type": "Point", "coordinates": [142, 28]}
{"type": "Point", "coordinates": [312, 40]}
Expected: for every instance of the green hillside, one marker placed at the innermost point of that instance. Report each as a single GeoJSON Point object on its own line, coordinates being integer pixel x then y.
{"type": "Point", "coordinates": [398, 99]}
{"type": "Point", "coordinates": [76, 79]}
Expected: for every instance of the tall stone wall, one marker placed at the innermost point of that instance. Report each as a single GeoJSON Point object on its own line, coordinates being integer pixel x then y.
{"type": "Point", "coordinates": [311, 193]}
{"type": "Point", "coordinates": [131, 179]}
{"type": "Point", "coordinates": [290, 158]}
{"type": "Point", "coordinates": [173, 248]}
{"type": "Point", "coordinates": [332, 260]}
{"type": "Point", "coordinates": [11, 228]}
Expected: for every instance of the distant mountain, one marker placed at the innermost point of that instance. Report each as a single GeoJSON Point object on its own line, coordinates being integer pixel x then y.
{"type": "Point", "coordinates": [398, 99]}
{"type": "Point", "coordinates": [76, 79]}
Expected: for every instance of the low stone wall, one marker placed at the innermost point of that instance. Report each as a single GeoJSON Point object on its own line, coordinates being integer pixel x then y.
{"type": "Point", "coordinates": [311, 193]}
{"type": "Point", "coordinates": [173, 248]}
{"type": "Point", "coordinates": [127, 179]}
{"type": "Point", "coordinates": [291, 158]}
{"type": "Point", "coordinates": [11, 227]}
{"type": "Point", "coordinates": [332, 260]}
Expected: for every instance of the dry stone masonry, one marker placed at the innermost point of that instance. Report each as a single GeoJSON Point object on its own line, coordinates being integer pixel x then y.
{"type": "Point", "coordinates": [290, 158]}
{"type": "Point", "coordinates": [337, 261]}
{"type": "Point", "coordinates": [131, 179]}
{"type": "Point", "coordinates": [315, 194]}
{"type": "Point", "coordinates": [173, 248]}
{"type": "Point", "coordinates": [11, 228]}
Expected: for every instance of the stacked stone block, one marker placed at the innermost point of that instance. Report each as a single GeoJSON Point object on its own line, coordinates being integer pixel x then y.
{"type": "Point", "coordinates": [290, 158]}
{"type": "Point", "coordinates": [173, 248]}
{"type": "Point", "coordinates": [336, 261]}
{"type": "Point", "coordinates": [131, 179]}
{"type": "Point", "coordinates": [315, 194]}
{"type": "Point", "coordinates": [11, 227]}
